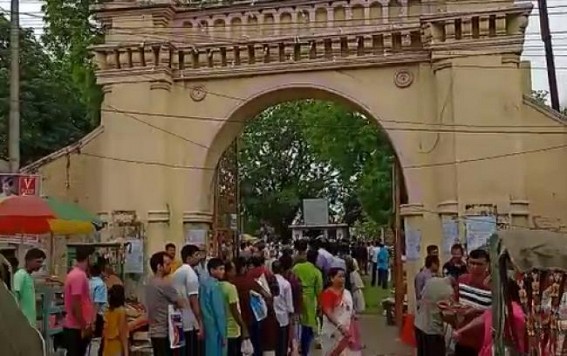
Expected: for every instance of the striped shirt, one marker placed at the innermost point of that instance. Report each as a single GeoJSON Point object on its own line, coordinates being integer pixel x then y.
{"type": "Point", "coordinates": [478, 297]}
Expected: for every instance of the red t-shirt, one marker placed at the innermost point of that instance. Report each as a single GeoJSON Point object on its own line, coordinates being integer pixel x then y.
{"type": "Point", "coordinates": [244, 284]}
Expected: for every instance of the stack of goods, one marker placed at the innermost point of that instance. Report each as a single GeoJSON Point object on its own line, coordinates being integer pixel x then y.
{"type": "Point", "coordinates": [138, 325]}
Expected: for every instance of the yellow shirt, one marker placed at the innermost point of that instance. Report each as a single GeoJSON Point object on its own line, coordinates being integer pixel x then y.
{"type": "Point", "coordinates": [175, 264]}
{"type": "Point", "coordinates": [230, 297]}
{"type": "Point", "coordinates": [113, 320]}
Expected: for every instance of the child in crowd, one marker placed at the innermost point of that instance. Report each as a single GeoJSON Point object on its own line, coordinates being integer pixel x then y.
{"type": "Point", "coordinates": [115, 335]}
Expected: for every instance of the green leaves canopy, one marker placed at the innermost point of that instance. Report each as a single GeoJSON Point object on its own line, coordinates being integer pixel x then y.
{"type": "Point", "coordinates": [311, 149]}
{"type": "Point", "coordinates": [52, 115]}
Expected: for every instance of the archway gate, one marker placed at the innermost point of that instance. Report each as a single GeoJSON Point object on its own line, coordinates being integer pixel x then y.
{"type": "Point", "coordinates": [183, 79]}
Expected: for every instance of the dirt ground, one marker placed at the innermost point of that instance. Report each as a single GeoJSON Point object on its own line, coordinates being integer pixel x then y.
{"type": "Point", "coordinates": [380, 339]}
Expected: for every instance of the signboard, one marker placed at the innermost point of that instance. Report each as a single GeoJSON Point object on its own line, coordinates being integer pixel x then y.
{"type": "Point", "coordinates": [19, 184]}
{"type": "Point", "coordinates": [450, 232]}
{"type": "Point", "coordinates": [413, 243]}
{"type": "Point", "coordinates": [32, 240]}
{"type": "Point", "coordinates": [134, 262]}
{"type": "Point", "coordinates": [234, 222]}
{"type": "Point", "coordinates": [196, 237]}
{"type": "Point", "coordinates": [315, 211]}
{"type": "Point", "coordinates": [478, 230]}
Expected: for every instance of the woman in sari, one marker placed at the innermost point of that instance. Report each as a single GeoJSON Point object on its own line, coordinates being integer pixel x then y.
{"type": "Point", "coordinates": [338, 313]}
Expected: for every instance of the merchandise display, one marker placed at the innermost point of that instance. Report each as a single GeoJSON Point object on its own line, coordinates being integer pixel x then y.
{"type": "Point", "coordinates": [50, 312]}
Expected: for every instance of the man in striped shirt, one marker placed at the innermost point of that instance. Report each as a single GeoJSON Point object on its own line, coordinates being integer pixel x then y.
{"type": "Point", "coordinates": [474, 293]}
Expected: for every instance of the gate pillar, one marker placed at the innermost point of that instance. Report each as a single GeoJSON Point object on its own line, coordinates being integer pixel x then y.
{"type": "Point", "coordinates": [414, 226]}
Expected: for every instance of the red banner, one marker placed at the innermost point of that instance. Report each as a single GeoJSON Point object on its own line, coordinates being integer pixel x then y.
{"type": "Point", "coordinates": [28, 185]}
{"type": "Point", "coordinates": [20, 184]}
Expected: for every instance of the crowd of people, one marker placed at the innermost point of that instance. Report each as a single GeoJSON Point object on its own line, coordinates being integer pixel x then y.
{"type": "Point", "coordinates": [454, 301]}
{"type": "Point", "coordinates": [271, 299]}
{"type": "Point", "coordinates": [311, 290]}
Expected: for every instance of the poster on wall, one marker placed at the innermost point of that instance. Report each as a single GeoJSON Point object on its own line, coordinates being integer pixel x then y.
{"type": "Point", "coordinates": [413, 243]}
{"type": "Point", "coordinates": [196, 237]}
{"type": "Point", "coordinates": [450, 233]}
{"type": "Point", "coordinates": [19, 184]}
{"type": "Point", "coordinates": [478, 230]}
{"type": "Point", "coordinates": [134, 261]}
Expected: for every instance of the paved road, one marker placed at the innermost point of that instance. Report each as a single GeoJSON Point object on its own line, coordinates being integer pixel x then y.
{"type": "Point", "coordinates": [380, 339]}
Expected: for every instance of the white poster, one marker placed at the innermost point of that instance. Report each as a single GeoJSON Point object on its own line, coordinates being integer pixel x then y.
{"type": "Point", "coordinates": [413, 243]}
{"type": "Point", "coordinates": [134, 262]}
{"type": "Point", "coordinates": [450, 233]}
{"type": "Point", "coordinates": [478, 231]}
{"type": "Point", "coordinates": [196, 237]}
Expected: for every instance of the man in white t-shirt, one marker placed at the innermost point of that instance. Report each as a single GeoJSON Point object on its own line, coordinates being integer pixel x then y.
{"type": "Point", "coordinates": [283, 308]}
{"type": "Point", "coordinates": [186, 282]}
{"type": "Point", "coordinates": [373, 253]}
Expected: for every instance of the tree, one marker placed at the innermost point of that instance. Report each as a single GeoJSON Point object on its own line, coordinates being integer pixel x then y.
{"type": "Point", "coordinates": [359, 151]}
{"type": "Point", "coordinates": [541, 97]}
{"type": "Point", "coordinates": [278, 170]}
{"type": "Point", "coordinates": [69, 33]}
{"type": "Point", "coordinates": [51, 112]}
{"type": "Point", "coordinates": [311, 149]}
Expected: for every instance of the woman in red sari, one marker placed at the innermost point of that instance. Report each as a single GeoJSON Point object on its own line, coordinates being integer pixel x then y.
{"type": "Point", "coordinates": [337, 331]}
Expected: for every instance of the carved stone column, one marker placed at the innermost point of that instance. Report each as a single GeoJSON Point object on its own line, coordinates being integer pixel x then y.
{"type": "Point", "coordinates": [412, 215]}
{"type": "Point", "coordinates": [157, 226]}
{"type": "Point", "coordinates": [449, 220]}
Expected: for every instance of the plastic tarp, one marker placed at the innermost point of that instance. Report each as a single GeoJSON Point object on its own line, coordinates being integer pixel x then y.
{"type": "Point", "coordinates": [17, 336]}
{"type": "Point", "coordinates": [535, 249]}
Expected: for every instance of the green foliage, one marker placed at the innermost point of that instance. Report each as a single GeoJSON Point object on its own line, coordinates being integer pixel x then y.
{"type": "Point", "coordinates": [51, 112]}
{"type": "Point", "coordinates": [313, 149]}
{"type": "Point", "coordinates": [359, 151]}
{"type": "Point", "coordinates": [69, 32]}
{"type": "Point", "coordinates": [541, 96]}
{"type": "Point", "coordinates": [278, 169]}
{"type": "Point", "coordinates": [367, 228]}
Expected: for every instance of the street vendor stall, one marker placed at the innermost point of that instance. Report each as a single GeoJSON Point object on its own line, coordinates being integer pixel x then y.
{"type": "Point", "coordinates": [537, 260]}
{"type": "Point", "coordinates": [113, 252]}
{"type": "Point", "coordinates": [50, 311]}
{"type": "Point", "coordinates": [21, 215]}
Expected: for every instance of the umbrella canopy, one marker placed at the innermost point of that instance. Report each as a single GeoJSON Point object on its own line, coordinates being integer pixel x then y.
{"type": "Point", "coordinates": [35, 215]}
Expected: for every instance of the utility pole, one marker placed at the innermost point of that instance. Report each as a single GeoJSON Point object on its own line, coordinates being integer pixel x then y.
{"type": "Point", "coordinates": [550, 61]}
{"type": "Point", "coordinates": [14, 123]}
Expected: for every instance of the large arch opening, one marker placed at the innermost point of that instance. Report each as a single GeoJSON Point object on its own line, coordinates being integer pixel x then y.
{"type": "Point", "coordinates": [314, 135]}
{"type": "Point", "coordinates": [303, 142]}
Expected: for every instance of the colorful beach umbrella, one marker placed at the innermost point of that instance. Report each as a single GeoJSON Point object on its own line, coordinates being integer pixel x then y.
{"type": "Point", "coordinates": [34, 215]}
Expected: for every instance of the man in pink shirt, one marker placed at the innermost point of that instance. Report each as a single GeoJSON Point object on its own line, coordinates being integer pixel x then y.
{"type": "Point", "coordinates": [79, 308]}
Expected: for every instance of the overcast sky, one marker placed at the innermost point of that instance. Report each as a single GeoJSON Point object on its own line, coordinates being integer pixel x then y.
{"type": "Point", "coordinates": [533, 45]}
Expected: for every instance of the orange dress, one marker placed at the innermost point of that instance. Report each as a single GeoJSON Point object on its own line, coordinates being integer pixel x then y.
{"type": "Point", "coordinates": [113, 322]}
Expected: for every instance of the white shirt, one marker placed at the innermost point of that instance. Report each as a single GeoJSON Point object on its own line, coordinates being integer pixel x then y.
{"type": "Point", "coordinates": [373, 254]}
{"type": "Point", "coordinates": [283, 303]}
{"type": "Point", "coordinates": [186, 282]}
